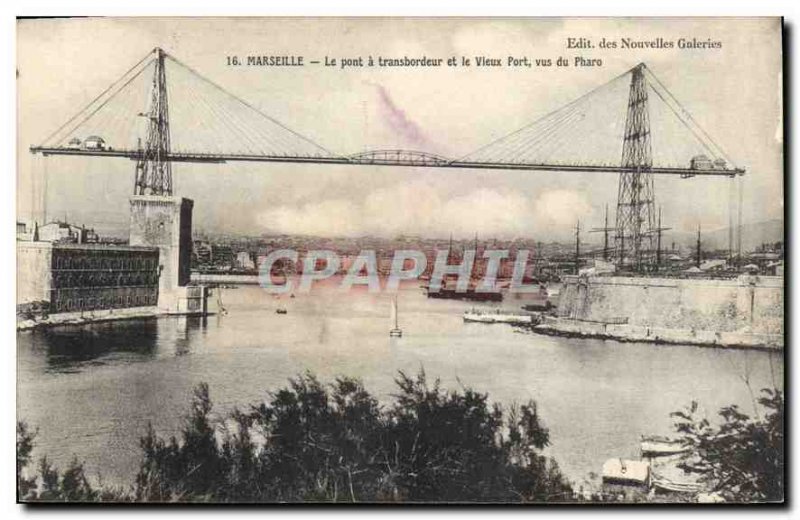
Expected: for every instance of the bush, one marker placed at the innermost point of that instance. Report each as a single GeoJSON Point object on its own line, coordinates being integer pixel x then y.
{"type": "Point", "coordinates": [333, 443]}
{"type": "Point", "coordinates": [741, 459]}
{"type": "Point", "coordinates": [51, 486]}
{"type": "Point", "coordinates": [315, 442]}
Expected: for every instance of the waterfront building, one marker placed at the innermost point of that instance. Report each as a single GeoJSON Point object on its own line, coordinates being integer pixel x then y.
{"type": "Point", "coordinates": [85, 277]}
{"type": "Point", "coordinates": [59, 270]}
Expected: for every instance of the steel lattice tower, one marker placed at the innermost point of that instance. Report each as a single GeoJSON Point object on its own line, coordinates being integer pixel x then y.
{"type": "Point", "coordinates": [153, 169]}
{"type": "Point", "coordinates": [635, 220]}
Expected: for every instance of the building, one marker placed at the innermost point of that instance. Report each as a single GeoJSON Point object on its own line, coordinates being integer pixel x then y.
{"type": "Point", "coordinates": [222, 255]}
{"type": "Point", "coordinates": [62, 231]}
{"type": "Point", "coordinates": [63, 273]}
{"type": "Point", "coordinates": [85, 277]}
{"type": "Point", "coordinates": [165, 222]}
{"type": "Point", "coordinates": [27, 232]}
{"type": "Point", "coordinates": [202, 252]}
{"type": "Point", "coordinates": [244, 261]}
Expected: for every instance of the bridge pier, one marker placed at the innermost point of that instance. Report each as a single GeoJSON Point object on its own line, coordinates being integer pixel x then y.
{"type": "Point", "coordinates": [165, 222]}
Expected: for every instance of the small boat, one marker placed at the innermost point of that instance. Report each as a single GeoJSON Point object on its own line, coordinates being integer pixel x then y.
{"type": "Point", "coordinates": [626, 472]}
{"type": "Point", "coordinates": [658, 446]}
{"type": "Point", "coordinates": [497, 316]}
{"type": "Point", "coordinates": [537, 307]}
{"type": "Point", "coordinates": [396, 332]}
{"type": "Point", "coordinates": [471, 294]}
{"type": "Point", "coordinates": [675, 486]}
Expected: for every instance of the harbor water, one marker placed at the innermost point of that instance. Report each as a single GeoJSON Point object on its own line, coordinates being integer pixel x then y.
{"type": "Point", "coordinates": [92, 390]}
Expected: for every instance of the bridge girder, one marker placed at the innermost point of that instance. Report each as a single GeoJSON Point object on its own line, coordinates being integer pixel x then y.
{"type": "Point", "coordinates": [401, 158]}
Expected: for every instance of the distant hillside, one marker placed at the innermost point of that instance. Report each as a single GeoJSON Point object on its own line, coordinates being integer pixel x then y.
{"type": "Point", "coordinates": [753, 235]}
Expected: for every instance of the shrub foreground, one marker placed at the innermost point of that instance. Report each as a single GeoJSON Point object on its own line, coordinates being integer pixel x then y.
{"type": "Point", "coordinates": [332, 443]}
{"type": "Point", "coordinates": [311, 442]}
{"type": "Point", "coordinates": [742, 458]}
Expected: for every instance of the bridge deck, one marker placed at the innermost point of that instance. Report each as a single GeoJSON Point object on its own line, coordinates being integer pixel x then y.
{"type": "Point", "coordinates": [381, 158]}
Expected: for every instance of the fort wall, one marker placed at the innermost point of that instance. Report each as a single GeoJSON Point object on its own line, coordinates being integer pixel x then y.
{"type": "Point", "coordinates": [743, 311]}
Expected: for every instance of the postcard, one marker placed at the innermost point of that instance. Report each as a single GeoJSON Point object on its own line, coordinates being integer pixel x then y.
{"type": "Point", "coordinates": [400, 260]}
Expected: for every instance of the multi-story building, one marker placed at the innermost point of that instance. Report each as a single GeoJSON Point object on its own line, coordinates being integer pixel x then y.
{"type": "Point", "coordinates": [58, 231]}
{"type": "Point", "coordinates": [83, 277]}
{"type": "Point", "coordinates": [59, 271]}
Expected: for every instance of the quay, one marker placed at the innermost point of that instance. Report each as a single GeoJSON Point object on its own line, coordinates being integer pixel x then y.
{"type": "Point", "coordinates": [100, 316]}
{"type": "Point", "coordinates": [742, 312]}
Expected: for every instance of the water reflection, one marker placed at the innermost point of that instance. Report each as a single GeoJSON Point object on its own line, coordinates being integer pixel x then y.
{"type": "Point", "coordinates": [186, 328]}
{"type": "Point", "coordinates": [71, 349]}
{"type": "Point", "coordinates": [68, 349]}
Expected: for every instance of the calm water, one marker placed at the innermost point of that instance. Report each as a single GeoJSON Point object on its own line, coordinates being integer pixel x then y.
{"type": "Point", "coordinates": [91, 390]}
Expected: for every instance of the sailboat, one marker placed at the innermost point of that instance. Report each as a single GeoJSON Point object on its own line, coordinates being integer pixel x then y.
{"type": "Point", "coordinates": [221, 310]}
{"type": "Point", "coordinates": [281, 309]}
{"type": "Point", "coordinates": [396, 332]}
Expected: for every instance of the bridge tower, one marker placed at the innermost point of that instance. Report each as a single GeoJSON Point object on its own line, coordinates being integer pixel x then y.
{"type": "Point", "coordinates": [153, 170]}
{"type": "Point", "coordinates": [635, 219]}
{"type": "Point", "coordinates": [159, 219]}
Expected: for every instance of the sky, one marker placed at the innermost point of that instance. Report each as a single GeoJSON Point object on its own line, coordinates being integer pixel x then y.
{"type": "Point", "coordinates": [734, 93]}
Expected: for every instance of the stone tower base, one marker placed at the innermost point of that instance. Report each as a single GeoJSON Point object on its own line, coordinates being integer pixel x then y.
{"type": "Point", "coordinates": [166, 223]}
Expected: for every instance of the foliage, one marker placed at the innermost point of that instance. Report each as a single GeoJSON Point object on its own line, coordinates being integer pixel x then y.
{"type": "Point", "coordinates": [742, 458]}
{"type": "Point", "coordinates": [51, 485]}
{"type": "Point", "coordinates": [25, 439]}
{"type": "Point", "coordinates": [315, 442]}
{"type": "Point", "coordinates": [336, 443]}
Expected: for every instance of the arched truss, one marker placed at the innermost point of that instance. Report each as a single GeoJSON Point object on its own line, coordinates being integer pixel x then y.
{"type": "Point", "coordinates": [399, 157]}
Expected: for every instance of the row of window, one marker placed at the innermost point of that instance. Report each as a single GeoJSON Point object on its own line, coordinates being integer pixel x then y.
{"type": "Point", "coordinates": [70, 300]}
{"type": "Point", "coordinates": [104, 278]}
{"type": "Point", "coordinates": [117, 260]}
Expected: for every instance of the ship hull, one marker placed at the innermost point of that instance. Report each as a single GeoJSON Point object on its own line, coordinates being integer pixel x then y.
{"type": "Point", "coordinates": [470, 294]}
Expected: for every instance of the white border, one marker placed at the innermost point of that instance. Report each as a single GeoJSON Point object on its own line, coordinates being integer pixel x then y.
{"type": "Point", "coordinates": [10, 10]}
